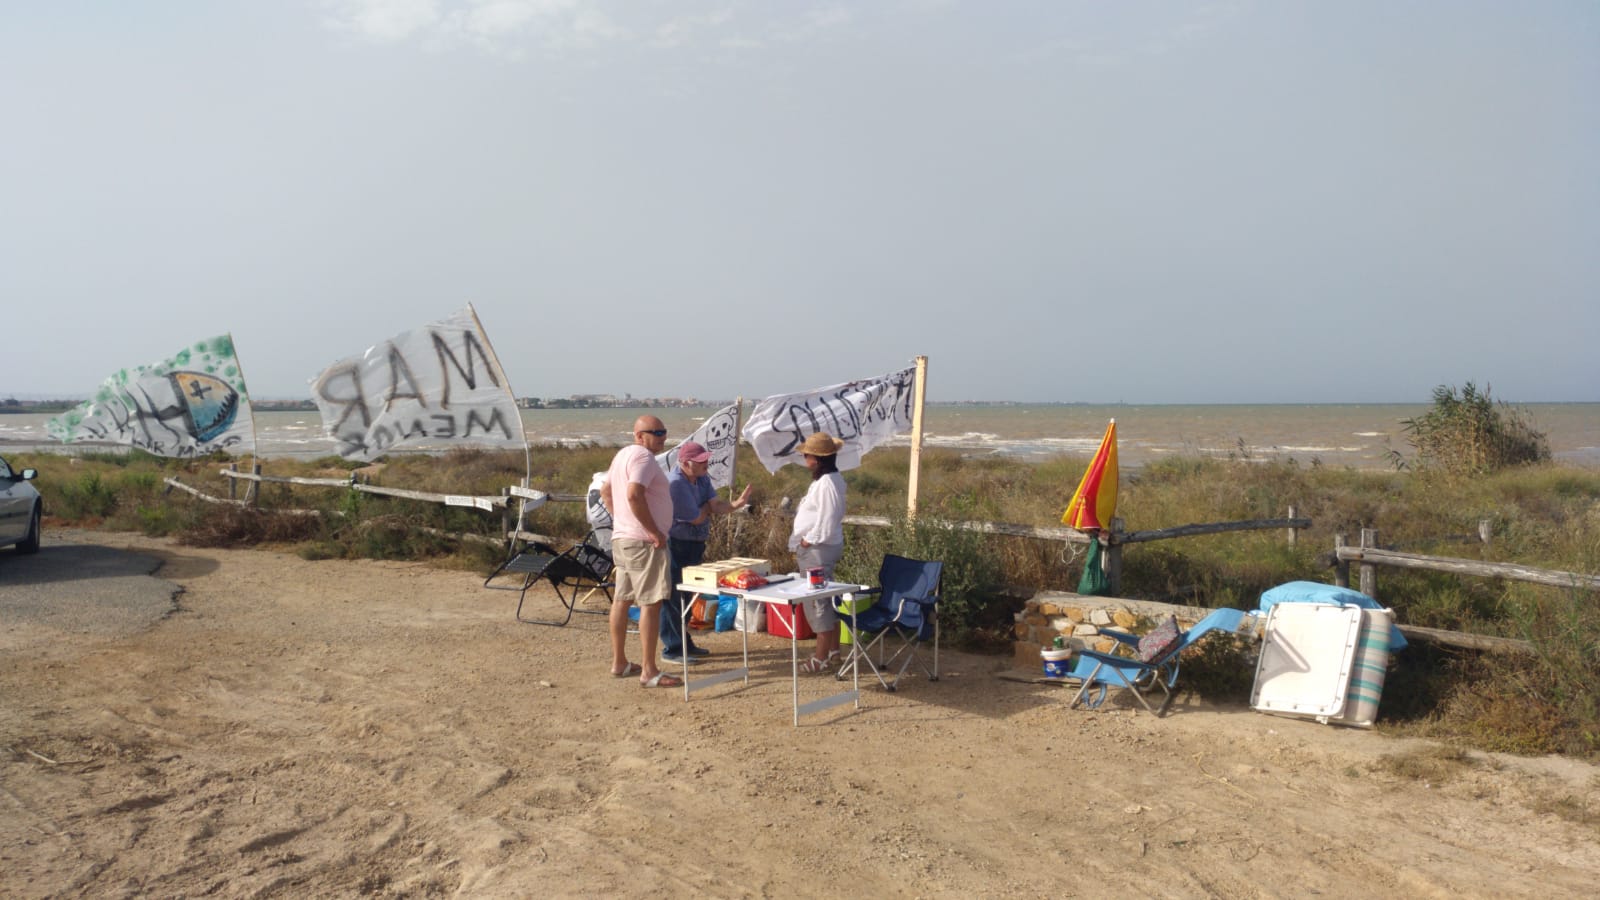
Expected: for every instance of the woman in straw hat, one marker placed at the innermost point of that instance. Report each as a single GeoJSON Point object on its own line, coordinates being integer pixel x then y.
{"type": "Point", "coordinates": [818, 539]}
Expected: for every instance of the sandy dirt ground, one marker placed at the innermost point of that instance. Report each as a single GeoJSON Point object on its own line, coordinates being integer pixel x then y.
{"type": "Point", "coordinates": [294, 728]}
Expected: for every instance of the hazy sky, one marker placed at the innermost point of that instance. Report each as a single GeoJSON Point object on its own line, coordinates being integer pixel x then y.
{"type": "Point", "coordinates": [1057, 200]}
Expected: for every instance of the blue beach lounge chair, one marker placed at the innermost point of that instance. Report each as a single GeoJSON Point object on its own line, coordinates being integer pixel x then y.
{"type": "Point", "coordinates": [1142, 676]}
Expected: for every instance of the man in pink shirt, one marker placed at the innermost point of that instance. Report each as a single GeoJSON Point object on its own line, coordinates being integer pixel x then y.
{"type": "Point", "coordinates": [641, 516]}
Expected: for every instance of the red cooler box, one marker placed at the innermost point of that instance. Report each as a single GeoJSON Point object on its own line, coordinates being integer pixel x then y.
{"type": "Point", "coordinates": [778, 621]}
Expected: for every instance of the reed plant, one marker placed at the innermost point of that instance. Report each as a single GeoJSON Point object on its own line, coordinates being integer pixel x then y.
{"type": "Point", "coordinates": [1468, 433]}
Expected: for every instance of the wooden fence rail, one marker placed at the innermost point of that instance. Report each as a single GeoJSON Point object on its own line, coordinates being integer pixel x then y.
{"type": "Point", "coordinates": [1161, 534]}
{"type": "Point", "coordinates": [1513, 571]}
{"type": "Point", "coordinates": [1070, 535]}
{"type": "Point", "coordinates": [482, 502]}
{"type": "Point", "coordinates": [1109, 543]}
{"type": "Point", "coordinates": [1368, 558]}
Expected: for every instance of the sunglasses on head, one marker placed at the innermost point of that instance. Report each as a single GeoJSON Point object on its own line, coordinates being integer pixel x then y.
{"type": "Point", "coordinates": [658, 432]}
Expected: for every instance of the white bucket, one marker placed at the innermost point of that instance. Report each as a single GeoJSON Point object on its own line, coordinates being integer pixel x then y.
{"type": "Point", "coordinates": [1057, 663]}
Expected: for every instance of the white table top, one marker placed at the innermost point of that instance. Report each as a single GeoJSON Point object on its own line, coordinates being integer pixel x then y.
{"type": "Point", "coordinates": [792, 590]}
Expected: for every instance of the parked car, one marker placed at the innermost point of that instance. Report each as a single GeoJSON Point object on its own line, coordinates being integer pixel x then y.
{"type": "Point", "coordinates": [20, 509]}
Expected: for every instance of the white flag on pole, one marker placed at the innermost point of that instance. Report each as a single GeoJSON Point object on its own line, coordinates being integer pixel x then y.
{"type": "Point", "coordinates": [863, 414]}
{"type": "Point", "coordinates": [440, 385]}
{"type": "Point", "coordinates": [718, 435]}
{"type": "Point", "coordinates": [190, 405]}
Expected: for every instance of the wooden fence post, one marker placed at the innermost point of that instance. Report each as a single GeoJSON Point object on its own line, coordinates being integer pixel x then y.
{"type": "Point", "coordinates": [233, 483]}
{"type": "Point", "coordinates": [1485, 530]}
{"type": "Point", "coordinates": [1341, 567]}
{"type": "Point", "coordinates": [254, 490]}
{"type": "Point", "coordinates": [1294, 533]}
{"type": "Point", "coordinates": [1112, 557]}
{"type": "Point", "coordinates": [1369, 572]}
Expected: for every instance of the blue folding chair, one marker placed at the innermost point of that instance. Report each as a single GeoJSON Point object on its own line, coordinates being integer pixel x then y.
{"type": "Point", "coordinates": [903, 614]}
{"type": "Point", "coordinates": [1142, 676]}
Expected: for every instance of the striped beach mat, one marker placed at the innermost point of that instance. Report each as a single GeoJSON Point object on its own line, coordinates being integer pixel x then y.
{"type": "Point", "coordinates": [1367, 670]}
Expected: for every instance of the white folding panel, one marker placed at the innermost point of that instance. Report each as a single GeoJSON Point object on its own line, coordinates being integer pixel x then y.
{"type": "Point", "coordinates": [1306, 656]}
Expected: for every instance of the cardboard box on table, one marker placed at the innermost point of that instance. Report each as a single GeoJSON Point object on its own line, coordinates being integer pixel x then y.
{"type": "Point", "coordinates": [709, 575]}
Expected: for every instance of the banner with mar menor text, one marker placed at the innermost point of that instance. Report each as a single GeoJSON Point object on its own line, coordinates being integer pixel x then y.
{"type": "Point", "coordinates": [437, 386]}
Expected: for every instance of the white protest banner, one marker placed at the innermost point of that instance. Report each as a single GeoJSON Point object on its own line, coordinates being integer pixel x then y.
{"type": "Point", "coordinates": [190, 405]}
{"type": "Point", "coordinates": [863, 414]}
{"type": "Point", "coordinates": [718, 435]}
{"type": "Point", "coordinates": [440, 385]}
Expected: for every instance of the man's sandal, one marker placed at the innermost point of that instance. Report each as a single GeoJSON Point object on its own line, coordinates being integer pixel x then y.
{"type": "Point", "coordinates": [662, 679]}
{"type": "Point", "coordinates": [812, 665]}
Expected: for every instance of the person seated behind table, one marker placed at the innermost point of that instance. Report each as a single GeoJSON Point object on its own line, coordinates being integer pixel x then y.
{"type": "Point", "coordinates": [694, 501]}
{"type": "Point", "coordinates": [599, 517]}
{"type": "Point", "coordinates": [818, 540]}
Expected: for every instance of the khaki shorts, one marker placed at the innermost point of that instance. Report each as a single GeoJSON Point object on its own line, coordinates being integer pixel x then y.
{"type": "Point", "coordinates": [644, 573]}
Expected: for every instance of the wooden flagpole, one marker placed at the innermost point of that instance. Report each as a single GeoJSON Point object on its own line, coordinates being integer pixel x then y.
{"type": "Point", "coordinates": [505, 382]}
{"type": "Point", "coordinates": [733, 460]}
{"type": "Point", "coordinates": [255, 445]}
{"type": "Point", "coordinates": [918, 391]}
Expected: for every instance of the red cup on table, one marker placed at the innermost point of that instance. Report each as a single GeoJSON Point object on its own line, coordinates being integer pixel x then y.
{"type": "Point", "coordinates": [816, 577]}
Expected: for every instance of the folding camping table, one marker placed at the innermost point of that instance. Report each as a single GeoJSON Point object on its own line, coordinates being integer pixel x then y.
{"type": "Point", "coordinates": [784, 590]}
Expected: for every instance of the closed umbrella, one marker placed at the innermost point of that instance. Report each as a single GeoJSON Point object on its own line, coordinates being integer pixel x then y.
{"type": "Point", "coordinates": [1093, 505]}
{"type": "Point", "coordinates": [1095, 501]}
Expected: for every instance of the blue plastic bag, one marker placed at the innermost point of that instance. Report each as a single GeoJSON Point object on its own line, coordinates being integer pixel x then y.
{"type": "Point", "coordinates": [727, 608]}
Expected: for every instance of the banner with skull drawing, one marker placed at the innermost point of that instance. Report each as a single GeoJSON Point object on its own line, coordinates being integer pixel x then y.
{"type": "Point", "coordinates": [719, 434]}
{"type": "Point", "coordinates": [190, 405]}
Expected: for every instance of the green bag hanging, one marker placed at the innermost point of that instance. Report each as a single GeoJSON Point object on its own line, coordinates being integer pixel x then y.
{"type": "Point", "coordinates": [1094, 582]}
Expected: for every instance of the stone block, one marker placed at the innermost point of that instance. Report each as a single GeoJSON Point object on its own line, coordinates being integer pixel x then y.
{"type": "Point", "coordinates": [1099, 617]}
{"type": "Point", "coordinates": [1084, 631]}
{"type": "Point", "coordinates": [1049, 609]}
{"type": "Point", "coordinates": [1105, 645]}
{"type": "Point", "coordinates": [1074, 613]}
{"type": "Point", "coordinates": [1124, 619]}
{"type": "Point", "coordinates": [1021, 629]}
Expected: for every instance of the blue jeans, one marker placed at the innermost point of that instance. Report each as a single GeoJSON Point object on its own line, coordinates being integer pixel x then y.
{"type": "Point", "coordinates": [684, 554]}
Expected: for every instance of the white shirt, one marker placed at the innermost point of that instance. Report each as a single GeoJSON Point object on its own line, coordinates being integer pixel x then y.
{"type": "Point", "coordinates": [820, 517]}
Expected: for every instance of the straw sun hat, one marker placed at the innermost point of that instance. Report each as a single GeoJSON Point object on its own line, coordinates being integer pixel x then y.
{"type": "Point", "coordinates": [821, 444]}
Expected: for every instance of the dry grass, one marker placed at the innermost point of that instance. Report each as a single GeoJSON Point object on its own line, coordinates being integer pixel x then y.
{"type": "Point", "coordinates": [1545, 516]}
{"type": "Point", "coordinates": [1436, 764]}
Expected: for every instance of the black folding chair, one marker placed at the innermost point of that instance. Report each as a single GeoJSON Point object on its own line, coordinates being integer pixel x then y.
{"type": "Point", "coordinates": [575, 574]}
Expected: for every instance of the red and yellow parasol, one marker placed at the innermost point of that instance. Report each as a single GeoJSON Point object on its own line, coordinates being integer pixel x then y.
{"type": "Point", "coordinates": [1095, 501]}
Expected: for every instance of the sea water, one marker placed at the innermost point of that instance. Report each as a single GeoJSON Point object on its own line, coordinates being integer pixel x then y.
{"type": "Point", "coordinates": [1360, 436]}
